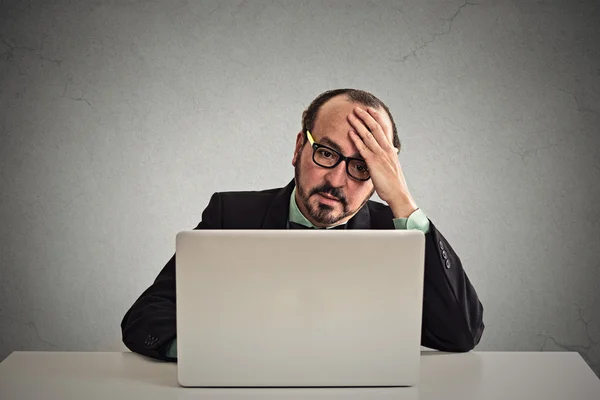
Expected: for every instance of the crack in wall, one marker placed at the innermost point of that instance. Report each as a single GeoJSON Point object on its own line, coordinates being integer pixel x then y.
{"type": "Point", "coordinates": [238, 7]}
{"type": "Point", "coordinates": [81, 99]}
{"type": "Point", "coordinates": [523, 154]}
{"type": "Point", "coordinates": [211, 12]}
{"type": "Point", "coordinates": [435, 35]}
{"type": "Point", "coordinates": [583, 350]}
{"type": "Point", "coordinates": [9, 54]}
{"type": "Point", "coordinates": [579, 107]}
{"type": "Point", "coordinates": [577, 103]}
{"type": "Point", "coordinates": [68, 78]}
{"type": "Point", "coordinates": [32, 329]}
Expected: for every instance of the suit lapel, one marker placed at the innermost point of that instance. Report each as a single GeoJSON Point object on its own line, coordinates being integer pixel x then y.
{"type": "Point", "coordinates": [277, 214]}
{"type": "Point", "coordinates": [362, 219]}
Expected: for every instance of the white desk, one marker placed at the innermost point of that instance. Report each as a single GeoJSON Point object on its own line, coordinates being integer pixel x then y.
{"type": "Point", "coordinates": [475, 375]}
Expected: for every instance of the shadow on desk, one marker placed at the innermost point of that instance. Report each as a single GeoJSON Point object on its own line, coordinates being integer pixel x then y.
{"type": "Point", "coordinates": [451, 370]}
{"type": "Point", "coordinates": [459, 374]}
{"type": "Point", "coordinates": [144, 370]}
{"type": "Point", "coordinates": [409, 393]}
{"type": "Point", "coordinates": [148, 376]}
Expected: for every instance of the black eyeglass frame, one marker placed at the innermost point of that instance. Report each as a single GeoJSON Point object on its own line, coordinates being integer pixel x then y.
{"type": "Point", "coordinates": [341, 158]}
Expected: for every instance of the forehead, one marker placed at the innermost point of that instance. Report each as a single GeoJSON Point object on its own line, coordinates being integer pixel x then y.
{"type": "Point", "coordinates": [332, 118]}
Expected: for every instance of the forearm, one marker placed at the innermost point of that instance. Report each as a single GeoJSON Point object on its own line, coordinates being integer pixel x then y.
{"type": "Point", "coordinates": [150, 324]}
{"type": "Point", "coordinates": [452, 312]}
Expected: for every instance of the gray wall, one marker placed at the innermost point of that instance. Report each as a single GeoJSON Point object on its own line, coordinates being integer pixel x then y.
{"type": "Point", "coordinates": [119, 119]}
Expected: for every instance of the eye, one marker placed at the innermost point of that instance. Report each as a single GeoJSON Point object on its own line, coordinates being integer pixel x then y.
{"type": "Point", "coordinates": [361, 168]}
{"type": "Point", "coordinates": [326, 154]}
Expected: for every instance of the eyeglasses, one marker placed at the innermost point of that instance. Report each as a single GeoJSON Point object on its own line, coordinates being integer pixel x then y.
{"type": "Point", "coordinates": [327, 157]}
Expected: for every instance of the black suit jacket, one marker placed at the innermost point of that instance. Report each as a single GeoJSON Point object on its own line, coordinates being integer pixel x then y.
{"type": "Point", "coordinates": [452, 313]}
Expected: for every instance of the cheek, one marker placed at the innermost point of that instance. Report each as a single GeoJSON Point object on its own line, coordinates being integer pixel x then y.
{"type": "Point", "coordinates": [360, 193]}
{"type": "Point", "coordinates": [310, 170]}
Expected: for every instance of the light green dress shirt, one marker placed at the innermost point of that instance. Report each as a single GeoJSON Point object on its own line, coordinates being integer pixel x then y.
{"type": "Point", "coordinates": [416, 220]}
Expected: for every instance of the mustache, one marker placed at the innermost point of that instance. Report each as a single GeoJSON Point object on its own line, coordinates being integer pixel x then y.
{"type": "Point", "coordinates": [330, 190]}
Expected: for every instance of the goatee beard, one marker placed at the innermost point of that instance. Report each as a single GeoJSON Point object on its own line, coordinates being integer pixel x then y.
{"type": "Point", "coordinates": [323, 214]}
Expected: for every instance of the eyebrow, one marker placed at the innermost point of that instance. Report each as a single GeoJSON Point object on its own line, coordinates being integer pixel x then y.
{"type": "Point", "coordinates": [336, 147]}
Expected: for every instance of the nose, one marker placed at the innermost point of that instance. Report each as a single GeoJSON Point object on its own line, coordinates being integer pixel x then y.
{"type": "Point", "coordinates": [337, 176]}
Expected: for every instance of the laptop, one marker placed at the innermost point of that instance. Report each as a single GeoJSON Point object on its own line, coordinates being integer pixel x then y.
{"type": "Point", "coordinates": [299, 308]}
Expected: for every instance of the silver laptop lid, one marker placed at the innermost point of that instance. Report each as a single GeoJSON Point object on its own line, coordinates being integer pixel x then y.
{"type": "Point", "coordinates": [299, 307]}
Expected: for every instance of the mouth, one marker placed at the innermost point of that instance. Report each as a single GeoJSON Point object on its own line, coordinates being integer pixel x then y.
{"type": "Point", "coordinates": [326, 198]}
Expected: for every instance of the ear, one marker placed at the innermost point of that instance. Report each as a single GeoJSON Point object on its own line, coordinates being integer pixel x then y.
{"type": "Point", "coordinates": [299, 144]}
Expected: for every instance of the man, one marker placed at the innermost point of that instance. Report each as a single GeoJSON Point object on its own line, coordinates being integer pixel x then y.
{"type": "Point", "coordinates": [347, 150]}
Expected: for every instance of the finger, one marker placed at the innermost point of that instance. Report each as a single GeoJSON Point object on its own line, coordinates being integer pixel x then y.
{"type": "Point", "coordinates": [376, 124]}
{"type": "Point", "coordinates": [386, 127]}
{"type": "Point", "coordinates": [364, 151]}
{"type": "Point", "coordinates": [364, 134]}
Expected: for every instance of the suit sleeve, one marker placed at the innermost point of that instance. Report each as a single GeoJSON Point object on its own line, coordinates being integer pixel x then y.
{"type": "Point", "coordinates": [452, 312]}
{"type": "Point", "coordinates": [150, 325]}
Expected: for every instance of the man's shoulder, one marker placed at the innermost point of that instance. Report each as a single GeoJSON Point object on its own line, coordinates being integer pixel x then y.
{"type": "Point", "coordinates": [248, 209]}
{"type": "Point", "coordinates": [252, 201]}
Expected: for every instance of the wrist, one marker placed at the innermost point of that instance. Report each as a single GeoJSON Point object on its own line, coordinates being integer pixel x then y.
{"type": "Point", "coordinates": [403, 207]}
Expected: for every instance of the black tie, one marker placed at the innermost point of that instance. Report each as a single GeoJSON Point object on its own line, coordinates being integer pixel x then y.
{"type": "Point", "coordinates": [294, 225]}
